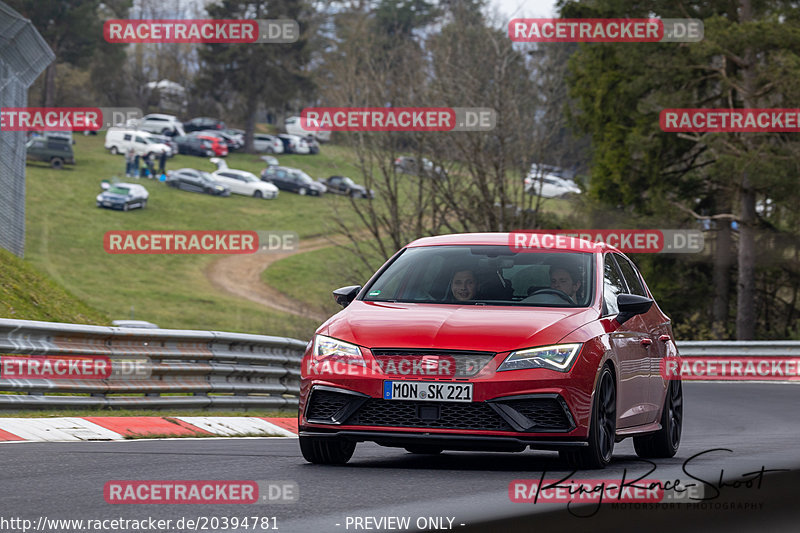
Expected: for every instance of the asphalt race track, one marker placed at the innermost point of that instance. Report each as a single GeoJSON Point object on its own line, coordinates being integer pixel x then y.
{"type": "Point", "coordinates": [759, 423]}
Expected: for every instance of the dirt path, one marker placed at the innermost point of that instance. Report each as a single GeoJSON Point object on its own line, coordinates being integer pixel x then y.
{"type": "Point", "coordinates": [240, 275]}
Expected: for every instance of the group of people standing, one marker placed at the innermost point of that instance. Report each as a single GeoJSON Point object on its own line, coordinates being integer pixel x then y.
{"type": "Point", "coordinates": [133, 161]}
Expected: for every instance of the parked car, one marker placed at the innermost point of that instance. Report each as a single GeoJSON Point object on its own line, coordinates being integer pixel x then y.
{"type": "Point", "coordinates": [462, 342]}
{"type": "Point", "coordinates": [295, 127]}
{"type": "Point", "coordinates": [143, 324]}
{"type": "Point", "coordinates": [245, 183]}
{"type": "Point", "coordinates": [57, 152]}
{"type": "Point", "coordinates": [191, 145]}
{"type": "Point", "coordinates": [203, 123]}
{"type": "Point", "coordinates": [346, 186]}
{"type": "Point", "coordinates": [192, 180]}
{"type": "Point", "coordinates": [267, 143]}
{"type": "Point", "coordinates": [409, 165]}
{"type": "Point", "coordinates": [119, 141]}
{"type": "Point", "coordinates": [162, 124]}
{"type": "Point", "coordinates": [218, 145]}
{"type": "Point", "coordinates": [124, 196]}
{"type": "Point", "coordinates": [231, 142]}
{"type": "Point", "coordinates": [65, 136]}
{"type": "Point", "coordinates": [269, 160]}
{"type": "Point", "coordinates": [550, 186]}
{"type": "Point", "coordinates": [293, 180]}
{"type": "Point", "coordinates": [164, 139]}
{"type": "Point", "coordinates": [294, 144]}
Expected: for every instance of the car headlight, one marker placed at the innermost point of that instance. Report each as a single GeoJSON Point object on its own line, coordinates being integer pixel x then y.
{"type": "Point", "coordinates": [219, 188]}
{"type": "Point", "coordinates": [329, 350]}
{"type": "Point", "coordinates": [558, 357]}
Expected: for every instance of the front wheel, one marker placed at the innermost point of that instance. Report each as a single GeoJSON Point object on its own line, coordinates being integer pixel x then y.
{"type": "Point", "coordinates": [602, 428]}
{"type": "Point", "coordinates": [257, 194]}
{"type": "Point", "coordinates": [664, 443]}
{"type": "Point", "coordinates": [302, 191]}
{"type": "Point", "coordinates": [326, 451]}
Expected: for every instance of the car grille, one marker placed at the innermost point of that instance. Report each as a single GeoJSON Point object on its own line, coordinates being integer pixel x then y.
{"type": "Point", "coordinates": [467, 363]}
{"type": "Point", "coordinates": [324, 404]}
{"type": "Point", "coordinates": [544, 413]}
{"type": "Point", "coordinates": [401, 413]}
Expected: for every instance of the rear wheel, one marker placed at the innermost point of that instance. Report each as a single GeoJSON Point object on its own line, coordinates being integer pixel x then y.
{"type": "Point", "coordinates": [665, 442]}
{"type": "Point", "coordinates": [56, 162]}
{"type": "Point", "coordinates": [424, 450]}
{"type": "Point", "coordinates": [602, 428]}
{"type": "Point", "coordinates": [114, 150]}
{"type": "Point", "coordinates": [326, 451]}
{"type": "Point", "coordinates": [302, 191]}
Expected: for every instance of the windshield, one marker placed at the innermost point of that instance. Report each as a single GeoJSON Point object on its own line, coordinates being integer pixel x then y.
{"type": "Point", "coordinates": [486, 275]}
{"type": "Point", "coordinates": [124, 191]}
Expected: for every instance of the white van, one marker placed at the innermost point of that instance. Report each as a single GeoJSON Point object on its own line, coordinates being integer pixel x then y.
{"type": "Point", "coordinates": [294, 127]}
{"type": "Point", "coordinates": [119, 141]}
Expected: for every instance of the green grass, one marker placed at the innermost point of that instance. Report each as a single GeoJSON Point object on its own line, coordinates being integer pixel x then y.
{"type": "Point", "coordinates": [65, 239]}
{"type": "Point", "coordinates": [26, 293]}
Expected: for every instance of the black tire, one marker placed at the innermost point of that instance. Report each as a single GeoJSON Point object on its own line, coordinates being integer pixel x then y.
{"type": "Point", "coordinates": [602, 428]}
{"type": "Point", "coordinates": [126, 207]}
{"type": "Point", "coordinates": [424, 450]}
{"type": "Point", "coordinates": [144, 204]}
{"type": "Point", "coordinates": [258, 194]}
{"type": "Point", "coordinates": [114, 150]}
{"type": "Point", "coordinates": [302, 191]}
{"type": "Point", "coordinates": [326, 451]}
{"type": "Point", "coordinates": [355, 194]}
{"type": "Point", "coordinates": [57, 163]}
{"type": "Point", "coordinates": [664, 443]}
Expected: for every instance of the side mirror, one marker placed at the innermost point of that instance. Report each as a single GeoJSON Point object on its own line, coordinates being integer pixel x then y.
{"type": "Point", "coordinates": [631, 305]}
{"type": "Point", "coordinates": [345, 295]}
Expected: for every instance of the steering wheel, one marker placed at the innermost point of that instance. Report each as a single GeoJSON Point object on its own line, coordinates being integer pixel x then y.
{"type": "Point", "coordinates": [561, 294]}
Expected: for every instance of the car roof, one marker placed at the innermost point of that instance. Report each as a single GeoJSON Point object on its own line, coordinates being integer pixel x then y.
{"type": "Point", "coordinates": [579, 245]}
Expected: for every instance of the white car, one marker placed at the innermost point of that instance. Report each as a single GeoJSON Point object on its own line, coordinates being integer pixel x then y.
{"type": "Point", "coordinates": [550, 185]}
{"type": "Point", "coordinates": [294, 127]}
{"type": "Point", "coordinates": [267, 143]}
{"type": "Point", "coordinates": [119, 141]}
{"type": "Point", "coordinates": [245, 183]}
{"type": "Point", "coordinates": [294, 144]}
{"type": "Point", "coordinates": [161, 124]}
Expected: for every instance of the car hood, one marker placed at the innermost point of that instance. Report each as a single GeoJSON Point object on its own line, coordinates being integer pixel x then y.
{"type": "Point", "coordinates": [113, 196]}
{"type": "Point", "coordinates": [456, 327]}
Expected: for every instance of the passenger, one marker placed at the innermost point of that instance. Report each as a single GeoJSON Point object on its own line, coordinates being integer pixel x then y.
{"type": "Point", "coordinates": [463, 286]}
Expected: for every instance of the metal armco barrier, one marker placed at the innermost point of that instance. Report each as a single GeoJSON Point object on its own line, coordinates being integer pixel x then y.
{"type": "Point", "coordinates": [739, 348]}
{"type": "Point", "coordinates": [185, 368]}
{"type": "Point", "coordinates": [204, 369]}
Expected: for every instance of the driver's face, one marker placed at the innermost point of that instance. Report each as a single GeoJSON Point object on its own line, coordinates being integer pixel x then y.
{"type": "Point", "coordinates": [463, 285]}
{"type": "Point", "coordinates": [561, 280]}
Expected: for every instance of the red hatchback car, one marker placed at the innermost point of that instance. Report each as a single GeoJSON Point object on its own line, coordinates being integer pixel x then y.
{"type": "Point", "coordinates": [464, 342]}
{"type": "Point", "coordinates": [218, 146]}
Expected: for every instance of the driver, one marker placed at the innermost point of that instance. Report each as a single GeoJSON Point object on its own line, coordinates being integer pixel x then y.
{"type": "Point", "coordinates": [463, 286]}
{"type": "Point", "coordinates": [566, 280]}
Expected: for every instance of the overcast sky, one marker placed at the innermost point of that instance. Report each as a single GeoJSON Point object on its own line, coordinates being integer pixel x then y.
{"type": "Point", "coordinates": [526, 8]}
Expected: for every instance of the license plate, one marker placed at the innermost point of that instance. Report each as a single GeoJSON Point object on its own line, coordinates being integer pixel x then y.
{"type": "Point", "coordinates": [427, 391]}
{"type": "Point", "coordinates": [107, 204]}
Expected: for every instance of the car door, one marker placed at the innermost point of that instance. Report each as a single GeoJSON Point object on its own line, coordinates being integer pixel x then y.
{"type": "Point", "coordinates": [633, 370]}
{"type": "Point", "coordinates": [335, 184]}
{"type": "Point", "coordinates": [652, 327]}
{"type": "Point", "coordinates": [192, 183]}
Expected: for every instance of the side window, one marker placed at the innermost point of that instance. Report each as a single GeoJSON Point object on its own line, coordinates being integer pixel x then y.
{"type": "Point", "coordinates": [612, 285]}
{"type": "Point", "coordinates": [140, 140]}
{"type": "Point", "coordinates": [127, 137]}
{"type": "Point", "coordinates": [631, 277]}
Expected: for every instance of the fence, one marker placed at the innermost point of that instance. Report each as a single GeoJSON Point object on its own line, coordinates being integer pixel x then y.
{"type": "Point", "coordinates": [179, 368]}
{"type": "Point", "coordinates": [23, 56]}
{"type": "Point", "coordinates": [203, 369]}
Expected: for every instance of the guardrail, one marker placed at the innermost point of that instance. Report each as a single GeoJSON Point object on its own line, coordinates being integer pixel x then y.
{"type": "Point", "coordinates": [203, 369]}
{"type": "Point", "coordinates": [178, 368]}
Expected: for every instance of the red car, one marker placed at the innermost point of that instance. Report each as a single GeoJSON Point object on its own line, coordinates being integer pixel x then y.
{"type": "Point", "coordinates": [465, 342]}
{"type": "Point", "coordinates": [219, 146]}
